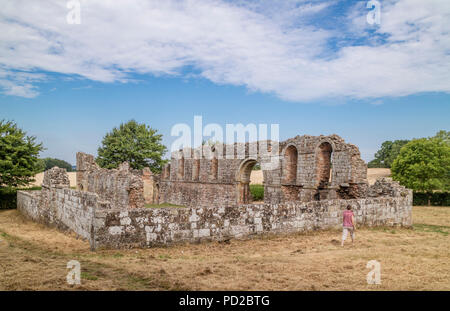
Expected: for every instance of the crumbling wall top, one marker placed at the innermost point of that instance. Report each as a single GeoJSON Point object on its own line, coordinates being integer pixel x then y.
{"type": "Point", "coordinates": [56, 178]}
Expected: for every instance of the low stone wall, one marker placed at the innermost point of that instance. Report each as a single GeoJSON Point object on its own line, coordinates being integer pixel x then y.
{"type": "Point", "coordinates": [63, 208]}
{"type": "Point", "coordinates": [161, 226]}
{"type": "Point", "coordinates": [105, 225]}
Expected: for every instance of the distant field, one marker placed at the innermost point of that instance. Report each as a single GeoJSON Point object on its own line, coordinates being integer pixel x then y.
{"type": "Point", "coordinates": [34, 257]}
{"type": "Point", "coordinates": [39, 178]}
{"type": "Point", "coordinates": [372, 174]}
{"type": "Point", "coordinates": [375, 173]}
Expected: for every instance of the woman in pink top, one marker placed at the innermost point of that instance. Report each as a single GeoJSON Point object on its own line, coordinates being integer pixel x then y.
{"type": "Point", "coordinates": [348, 224]}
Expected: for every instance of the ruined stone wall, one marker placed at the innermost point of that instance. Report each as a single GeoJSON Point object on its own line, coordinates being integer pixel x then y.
{"type": "Point", "coordinates": [121, 188]}
{"type": "Point", "coordinates": [162, 226]}
{"type": "Point", "coordinates": [64, 208]}
{"type": "Point", "coordinates": [106, 226]}
{"type": "Point", "coordinates": [347, 171]}
{"type": "Point", "coordinates": [210, 181]}
{"type": "Point", "coordinates": [301, 174]}
{"type": "Point", "coordinates": [58, 205]}
{"type": "Point", "coordinates": [150, 187]}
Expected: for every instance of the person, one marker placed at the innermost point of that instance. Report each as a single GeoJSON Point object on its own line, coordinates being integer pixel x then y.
{"type": "Point", "coordinates": [348, 224]}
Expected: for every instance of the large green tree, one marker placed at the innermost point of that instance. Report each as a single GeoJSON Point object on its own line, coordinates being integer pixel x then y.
{"type": "Point", "coordinates": [136, 143]}
{"type": "Point", "coordinates": [424, 164]}
{"type": "Point", "coordinates": [388, 152]}
{"type": "Point", "coordinates": [18, 156]}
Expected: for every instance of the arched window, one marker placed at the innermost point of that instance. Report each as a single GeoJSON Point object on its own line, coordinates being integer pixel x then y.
{"type": "Point", "coordinates": [290, 160]}
{"type": "Point", "coordinates": [181, 168]}
{"type": "Point", "coordinates": [196, 169]}
{"type": "Point", "coordinates": [167, 174]}
{"type": "Point", "coordinates": [214, 168]}
{"type": "Point", "coordinates": [323, 164]}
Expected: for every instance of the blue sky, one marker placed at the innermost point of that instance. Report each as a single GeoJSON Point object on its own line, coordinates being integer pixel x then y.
{"type": "Point", "coordinates": [313, 67]}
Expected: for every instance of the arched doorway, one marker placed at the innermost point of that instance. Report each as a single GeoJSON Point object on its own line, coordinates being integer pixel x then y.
{"type": "Point", "coordinates": [323, 165]}
{"type": "Point", "coordinates": [244, 179]}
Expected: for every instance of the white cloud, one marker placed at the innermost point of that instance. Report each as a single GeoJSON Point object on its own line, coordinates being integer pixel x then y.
{"type": "Point", "coordinates": [267, 48]}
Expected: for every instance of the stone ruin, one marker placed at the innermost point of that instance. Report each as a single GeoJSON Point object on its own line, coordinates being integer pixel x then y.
{"type": "Point", "coordinates": [309, 182]}
{"type": "Point", "coordinates": [309, 169]}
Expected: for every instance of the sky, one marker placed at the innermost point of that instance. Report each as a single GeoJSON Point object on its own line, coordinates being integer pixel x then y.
{"type": "Point", "coordinates": [313, 67]}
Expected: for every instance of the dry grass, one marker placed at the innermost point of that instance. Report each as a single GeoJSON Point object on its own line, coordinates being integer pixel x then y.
{"type": "Point", "coordinates": [34, 257]}
{"type": "Point", "coordinates": [256, 177]}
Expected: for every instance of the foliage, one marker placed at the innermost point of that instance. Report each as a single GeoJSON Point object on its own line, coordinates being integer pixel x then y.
{"type": "Point", "coordinates": [138, 144]}
{"type": "Point", "coordinates": [256, 167]}
{"type": "Point", "coordinates": [431, 198]}
{"type": "Point", "coordinates": [18, 156]}
{"type": "Point", "coordinates": [387, 154]}
{"type": "Point", "coordinates": [40, 165]}
{"type": "Point", "coordinates": [257, 192]}
{"type": "Point", "coordinates": [52, 162]}
{"type": "Point", "coordinates": [424, 164]}
{"type": "Point", "coordinates": [8, 197]}
{"type": "Point", "coordinates": [443, 135]}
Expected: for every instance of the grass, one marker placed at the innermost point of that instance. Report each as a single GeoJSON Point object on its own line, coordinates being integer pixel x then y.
{"type": "Point", "coordinates": [257, 192]}
{"type": "Point", "coordinates": [432, 228]}
{"type": "Point", "coordinates": [88, 276]}
{"type": "Point", "coordinates": [163, 205]}
{"type": "Point", "coordinates": [34, 257]}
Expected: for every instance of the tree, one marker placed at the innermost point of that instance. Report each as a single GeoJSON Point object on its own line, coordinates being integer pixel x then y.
{"type": "Point", "coordinates": [138, 144]}
{"type": "Point", "coordinates": [51, 162]}
{"type": "Point", "coordinates": [444, 135]}
{"type": "Point", "coordinates": [424, 165]}
{"type": "Point", "coordinates": [388, 152]}
{"type": "Point", "coordinates": [18, 156]}
{"type": "Point", "coordinates": [40, 165]}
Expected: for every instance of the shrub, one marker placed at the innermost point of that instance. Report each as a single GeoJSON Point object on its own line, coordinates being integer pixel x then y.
{"type": "Point", "coordinates": [257, 192]}
{"type": "Point", "coordinates": [423, 165]}
{"type": "Point", "coordinates": [8, 197]}
{"type": "Point", "coordinates": [431, 198]}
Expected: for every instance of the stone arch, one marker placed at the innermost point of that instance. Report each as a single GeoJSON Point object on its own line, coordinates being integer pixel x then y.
{"type": "Point", "coordinates": [290, 164]}
{"type": "Point", "coordinates": [243, 180]}
{"type": "Point", "coordinates": [324, 152]}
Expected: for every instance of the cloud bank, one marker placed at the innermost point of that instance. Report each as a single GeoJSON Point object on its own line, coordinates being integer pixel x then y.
{"type": "Point", "coordinates": [297, 50]}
